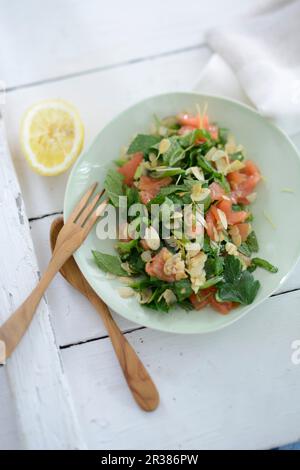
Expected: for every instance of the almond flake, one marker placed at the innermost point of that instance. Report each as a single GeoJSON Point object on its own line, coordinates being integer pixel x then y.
{"type": "Point", "coordinates": [223, 219]}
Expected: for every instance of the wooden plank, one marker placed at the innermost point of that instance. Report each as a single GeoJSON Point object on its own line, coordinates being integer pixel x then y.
{"type": "Point", "coordinates": [9, 435]}
{"type": "Point", "coordinates": [42, 398]}
{"type": "Point", "coordinates": [234, 389]}
{"type": "Point", "coordinates": [69, 36]}
{"type": "Point", "coordinates": [99, 97]}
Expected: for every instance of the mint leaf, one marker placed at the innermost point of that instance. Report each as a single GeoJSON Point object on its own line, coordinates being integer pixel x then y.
{"type": "Point", "coordinates": [143, 143]}
{"type": "Point", "coordinates": [205, 165]}
{"type": "Point", "coordinates": [173, 188]}
{"type": "Point", "coordinates": [175, 152]}
{"type": "Point", "coordinates": [262, 263]}
{"type": "Point", "coordinates": [113, 185]}
{"type": "Point", "coordinates": [109, 263]}
{"type": "Point", "coordinates": [167, 171]}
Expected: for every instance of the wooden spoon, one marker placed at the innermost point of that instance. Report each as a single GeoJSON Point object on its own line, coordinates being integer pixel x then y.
{"type": "Point", "coordinates": [137, 377]}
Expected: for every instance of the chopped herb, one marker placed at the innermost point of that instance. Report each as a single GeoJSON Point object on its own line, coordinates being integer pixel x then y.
{"type": "Point", "coordinates": [182, 289]}
{"type": "Point", "coordinates": [237, 156]}
{"type": "Point", "coordinates": [126, 247]}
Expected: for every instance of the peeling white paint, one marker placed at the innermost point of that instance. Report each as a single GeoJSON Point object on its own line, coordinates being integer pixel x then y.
{"type": "Point", "coordinates": [43, 401]}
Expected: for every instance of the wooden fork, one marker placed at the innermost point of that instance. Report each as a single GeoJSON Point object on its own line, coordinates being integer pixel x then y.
{"type": "Point", "coordinates": [72, 235]}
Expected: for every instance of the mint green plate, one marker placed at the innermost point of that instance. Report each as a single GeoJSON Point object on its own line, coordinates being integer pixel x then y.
{"type": "Point", "coordinates": [278, 161]}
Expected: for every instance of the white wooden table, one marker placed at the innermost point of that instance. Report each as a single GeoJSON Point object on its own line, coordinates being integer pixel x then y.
{"type": "Point", "coordinates": [237, 388]}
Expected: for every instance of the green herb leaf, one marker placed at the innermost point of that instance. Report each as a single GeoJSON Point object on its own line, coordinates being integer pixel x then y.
{"type": "Point", "coordinates": [143, 143]}
{"type": "Point", "coordinates": [223, 135]}
{"type": "Point", "coordinates": [211, 282]}
{"type": "Point", "coordinates": [262, 263]}
{"type": "Point", "coordinates": [237, 207]}
{"type": "Point", "coordinates": [126, 247]}
{"type": "Point", "coordinates": [222, 180]}
{"type": "Point", "coordinates": [170, 122]}
{"type": "Point", "coordinates": [205, 165]}
{"type": "Point", "coordinates": [232, 268]}
{"type": "Point", "coordinates": [109, 263]}
{"type": "Point", "coordinates": [161, 173]}
{"type": "Point", "coordinates": [120, 162]}
{"type": "Point", "coordinates": [237, 156]}
{"type": "Point", "coordinates": [244, 249]}
{"type": "Point", "coordinates": [175, 152]}
{"type": "Point", "coordinates": [182, 289]}
{"type": "Point", "coordinates": [214, 266]}
{"type": "Point", "coordinates": [239, 286]}
{"type": "Point", "coordinates": [189, 139]}
{"type": "Point", "coordinates": [132, 194]}
{"type": "Point", "coordinates": [136, 264]}
{"type": "Point", "coordinates": [218, 177]}
{"type": "Point", "coordinates": [252, 242]}
{"type": "Point", "coordinates": [113, 185]}
{"type": "Point", "coordinates": [173, 188]}
{"type": "Point", "coordinates": [242, 291]}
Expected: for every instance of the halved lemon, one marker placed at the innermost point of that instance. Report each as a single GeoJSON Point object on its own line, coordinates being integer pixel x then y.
{"type": "Point", "coordinates": [52, 136]}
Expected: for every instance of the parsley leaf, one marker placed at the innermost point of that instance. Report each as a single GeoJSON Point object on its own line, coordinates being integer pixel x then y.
{"type": "Point", "coordinates": [243, 290]}
{"type": "Point", "coordinates": [239, 285]}
{"type": "Point", "coordinates": [232, 268]}
{"type": "Point", "coordinates": [109, 263]}
{"type": "Point", "coordinates": [214, 266]}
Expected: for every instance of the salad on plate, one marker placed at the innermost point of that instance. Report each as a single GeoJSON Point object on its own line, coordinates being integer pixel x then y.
{"type": "Point", "coordinates": [182, 195]}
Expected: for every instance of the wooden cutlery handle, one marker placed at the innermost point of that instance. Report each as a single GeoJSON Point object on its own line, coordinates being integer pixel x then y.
{"type": "Point", "coordinates": [12, 331]}
{"type": "Point", "coordinates": [136, 375]}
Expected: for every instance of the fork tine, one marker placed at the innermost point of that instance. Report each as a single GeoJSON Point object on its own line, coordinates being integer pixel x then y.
{"type": "Point", "coordinates": [88, 209]}
{"type": "Point", "coordinates": [82, 203]}
{"type": "Point", "coordinates": [95, 215]}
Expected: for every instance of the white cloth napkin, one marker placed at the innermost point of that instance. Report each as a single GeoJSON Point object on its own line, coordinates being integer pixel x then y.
{"type": "Point", "coordinates": [258, 61]}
